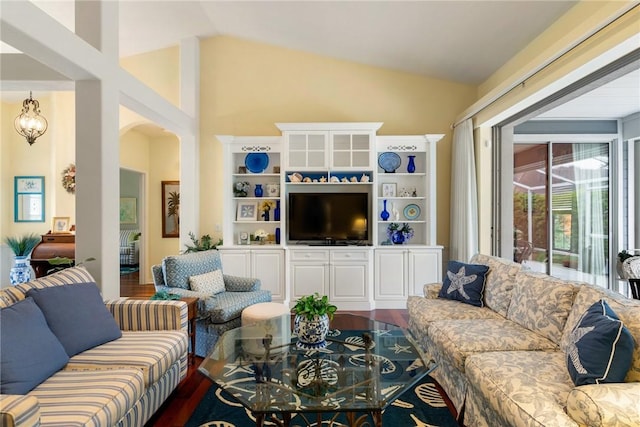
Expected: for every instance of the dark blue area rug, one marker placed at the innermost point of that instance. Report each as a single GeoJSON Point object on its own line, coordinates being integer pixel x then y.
{"type": "Point", "coordinates": [420, 406]}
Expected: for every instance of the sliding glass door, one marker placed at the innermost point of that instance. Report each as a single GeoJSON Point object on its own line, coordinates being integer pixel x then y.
{"type": "Point", "coordinates": [561, 209]}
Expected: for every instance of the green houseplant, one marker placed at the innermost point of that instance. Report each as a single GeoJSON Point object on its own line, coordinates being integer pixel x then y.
{"type": "Point", "coordinates": [311, 323]}
{"type": "Point", "coordinates": [21, 248]}
{"type": "Point", "coordinates": [205, 243]}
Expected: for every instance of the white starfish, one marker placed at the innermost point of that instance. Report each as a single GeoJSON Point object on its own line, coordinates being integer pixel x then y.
{"type": "Point", "coordinates": [458, 281]}
{"type": "Point", "coordinates": [397, 348]}
{"type": "Point", "coordinates": [576, 335]}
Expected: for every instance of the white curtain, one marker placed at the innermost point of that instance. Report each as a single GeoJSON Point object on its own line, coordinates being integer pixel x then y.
{"type": "Point", "coordinates": [589, 198]}
{"type": "Point", "coordinates": [464, 195]}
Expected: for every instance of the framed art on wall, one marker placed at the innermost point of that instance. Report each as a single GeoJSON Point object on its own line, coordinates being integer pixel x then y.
{"type": "Point", "coordinates": [28, 199]}
{"type": "Point", "coordinates": [170, 208]}
{"type": "Point", "coordinates": [128, 212]}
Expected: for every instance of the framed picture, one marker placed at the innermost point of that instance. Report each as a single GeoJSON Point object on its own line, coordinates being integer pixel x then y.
{"type": "Point", "coordinates": [389, 189]}
{"type": "Point", "coordinates": [128, 213]}
{"type": "Point", "coordinates": [170, 208]}
{"type": "Point", "coordinates": [243, 238]}
{"type": "Point", "coordinates": [28, 199]}
{"type": "Point", "coordinates": [60, 224]}
{"type": "Point", "coordinates": [242, 169]}
{"type": "Point", "coordinates": [247, 211]}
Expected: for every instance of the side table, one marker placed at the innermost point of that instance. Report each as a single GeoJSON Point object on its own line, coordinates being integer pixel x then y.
{"type": "Point", "coordinates": [192, 308]}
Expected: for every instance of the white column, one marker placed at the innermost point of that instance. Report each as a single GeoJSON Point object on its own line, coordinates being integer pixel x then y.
{"type": "Point", "coordinates": [189, 142]}
{"type": "Point", "coordinates": [97, 152]}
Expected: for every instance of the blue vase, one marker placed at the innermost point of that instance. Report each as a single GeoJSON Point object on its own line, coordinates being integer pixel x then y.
{"type": "Point", "coordinates": [277, 235]}
{"type": "Point", "coordinates": [385, 213]}
{"type": "Point", "coordinates": [265, 215]}
{"type": "Point", "coordinates": [397, 238]}
{"type": "Point", "coordinates": [411, 167]}
{"type": "Point", "coordinates": [276, 211]}
{"type": "Point", "coordinates": [258, 190]}
{"type": "Point", "coordinates": [21, 271]}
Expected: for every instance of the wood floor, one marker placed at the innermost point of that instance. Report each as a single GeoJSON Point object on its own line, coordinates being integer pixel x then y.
{"type": "Point", "coordinates": [177, 410]}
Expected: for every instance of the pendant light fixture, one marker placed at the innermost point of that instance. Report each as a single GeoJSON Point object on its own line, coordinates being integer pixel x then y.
{"type": "Point", "coordinates": [30, 124]}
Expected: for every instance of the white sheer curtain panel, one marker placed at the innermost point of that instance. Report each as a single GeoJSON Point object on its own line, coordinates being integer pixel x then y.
{"type": "Point", "coordinates": [464, 195]}
{"type": "Point", "coordinates": [589, 175]}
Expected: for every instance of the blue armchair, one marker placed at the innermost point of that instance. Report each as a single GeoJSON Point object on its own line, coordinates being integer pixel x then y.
{"type": "Point", "coordinates": [217, 312]}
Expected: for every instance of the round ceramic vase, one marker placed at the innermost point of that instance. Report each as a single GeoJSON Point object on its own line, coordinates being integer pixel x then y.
{"type": "Point", "coordinates": [21, 271]}
{"type": "Point", "coordinates": [311, 333]}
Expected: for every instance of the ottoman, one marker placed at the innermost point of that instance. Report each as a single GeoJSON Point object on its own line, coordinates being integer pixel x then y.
{"type": "Point", "coordinates": [262, 319]}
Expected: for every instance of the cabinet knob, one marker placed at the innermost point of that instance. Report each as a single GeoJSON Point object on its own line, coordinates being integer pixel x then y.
{"type": "Point", "coordinates": [307, 255]}
{"type": "Point", "coordinates": [347, 255]}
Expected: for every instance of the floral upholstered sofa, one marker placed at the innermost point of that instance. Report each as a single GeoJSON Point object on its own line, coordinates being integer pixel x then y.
{"type": "Point", "coordinates": [221, 297]}
{"type": "Point", "coordinates": [507, 362]}
{"type": "Point", "coordinates": [71, 359]}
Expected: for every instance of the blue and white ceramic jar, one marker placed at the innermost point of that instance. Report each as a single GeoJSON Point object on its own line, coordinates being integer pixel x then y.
{"type": "Point", "coordinates": [312, 333]}
{"type": "Point", "coordinates": [21, 270]}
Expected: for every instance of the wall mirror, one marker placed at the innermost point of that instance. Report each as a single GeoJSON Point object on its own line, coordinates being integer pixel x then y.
{"type": "Point", "coordinates": [29, 199]}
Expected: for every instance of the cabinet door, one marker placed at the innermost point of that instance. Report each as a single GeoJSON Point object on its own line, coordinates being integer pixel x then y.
{"type": "Point", "coordinates": [308, 278]}
{"type": "Point", "coordinates": [268, 266]}
{"type": "Point", "coordinates": [425, 266]}
{"type": "Point", "coordinates": [307, 150]}
{"type": "Point", "coordinates": [391, 275]}
{"type": "Point", "coordinates": [236, 263]}
{"type": "Point", "coordinates": [349, 281]}
{"type": "Point", "coordinates": [351, 150]}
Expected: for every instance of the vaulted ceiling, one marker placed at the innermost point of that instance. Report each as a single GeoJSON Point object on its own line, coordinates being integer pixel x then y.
{"type": "Point", "coordinates": [464, 41]}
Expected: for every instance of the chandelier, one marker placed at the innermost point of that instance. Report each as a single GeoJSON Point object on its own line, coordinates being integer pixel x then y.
{"type": "Point", "coordinates": [30, 124]}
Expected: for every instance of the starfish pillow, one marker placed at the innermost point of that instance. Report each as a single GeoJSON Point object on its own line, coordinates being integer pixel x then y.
{"type": "Point", "coordinates": [465, 283]}
{"type": "Point", "coordinates": [600, 348]}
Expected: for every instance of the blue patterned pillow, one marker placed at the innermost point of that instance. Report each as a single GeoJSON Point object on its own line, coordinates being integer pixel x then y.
{"type": "Point", "coordinates": [465, 283]}
{"type": "Point", "coordinates": [77, 316]}
{"type": "Point", "coordinates": [600, 347]}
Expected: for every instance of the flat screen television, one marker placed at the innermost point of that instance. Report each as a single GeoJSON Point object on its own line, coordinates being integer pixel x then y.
{"type": "Point", "coordinates": [328, 218]}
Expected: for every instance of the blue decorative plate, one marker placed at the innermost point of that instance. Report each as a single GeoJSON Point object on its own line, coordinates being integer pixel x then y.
{"type": "Point", "coordinates": [389, 161]}
{"type": "Point", "coordinates": [411, 212]}
{"type": "Point", "coordinates": [256, 162]}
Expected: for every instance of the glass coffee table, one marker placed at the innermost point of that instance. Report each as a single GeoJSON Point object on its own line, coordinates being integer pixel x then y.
{"type": "Point", "coordinates": [366, 365]}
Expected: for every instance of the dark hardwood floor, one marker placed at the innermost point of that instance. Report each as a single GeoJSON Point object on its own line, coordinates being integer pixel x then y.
{"type": "Point", "coordinates": [178, 408]}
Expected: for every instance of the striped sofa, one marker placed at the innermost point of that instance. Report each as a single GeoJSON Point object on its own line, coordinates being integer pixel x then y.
{"type": "Point", "coordinates": [119, 383]}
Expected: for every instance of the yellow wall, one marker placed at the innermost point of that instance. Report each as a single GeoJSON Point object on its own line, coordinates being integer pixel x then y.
{"type": "Point", "coordinates": [157, 158]}
{"type": "Point", "coordinates": [246, 87]}
{"type": "Point", "coordinates": [160, 70]}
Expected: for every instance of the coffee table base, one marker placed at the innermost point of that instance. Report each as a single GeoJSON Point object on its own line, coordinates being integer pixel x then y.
{"type": "Point", "coordinates": [353, 420]}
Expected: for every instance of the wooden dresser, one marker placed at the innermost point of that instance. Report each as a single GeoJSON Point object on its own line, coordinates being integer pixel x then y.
{"type": "Point", "coordinates": [51, 246]}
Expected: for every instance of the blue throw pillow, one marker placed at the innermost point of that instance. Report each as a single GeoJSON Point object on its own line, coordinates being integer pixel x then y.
{"type": "Point", "coordinates": [30, 353]}
{"type": "Point", "coordinates": [464, 282]}
{"type": "Point", "coordinates": [600, 347]}
{"type": "Point", "coordinates": [77, 316]}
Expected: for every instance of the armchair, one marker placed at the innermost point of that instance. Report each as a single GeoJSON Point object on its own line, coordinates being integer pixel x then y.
{"type": "Point", "coordinates": [217, 312]}
{"type": "Point", "coordinates": [129, 250]}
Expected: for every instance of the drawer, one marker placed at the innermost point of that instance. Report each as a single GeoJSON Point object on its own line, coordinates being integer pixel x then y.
{"type": "Point", "coordinates": [349, 255]}
{"type": "Point", "coordinates": [59, 238]}
{"type": "Point", "coordinates": [310, 255]}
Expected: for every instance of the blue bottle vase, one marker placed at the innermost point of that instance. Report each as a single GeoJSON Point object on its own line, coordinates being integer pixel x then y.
{"type": "Point", "coordinates": [258, 190]}
{"type": "Point", "coordinates": [277, 235]}
{"type": "Point", "coordinates": [411, 166]}
{"type": "Point", "coordinates": [276, 211]}
{"type": "Point", "coordinates": [385, 213]}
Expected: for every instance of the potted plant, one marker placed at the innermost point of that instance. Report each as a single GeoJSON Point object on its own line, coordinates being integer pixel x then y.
{"type": "Point", "coordinates": [399, 234]}
{"type": "Point", "coordinates": [311, 323]}
{"type": "Point", "coordinates": [205, 243]}
{"type": "Point", "coordinates": [21, 248]}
